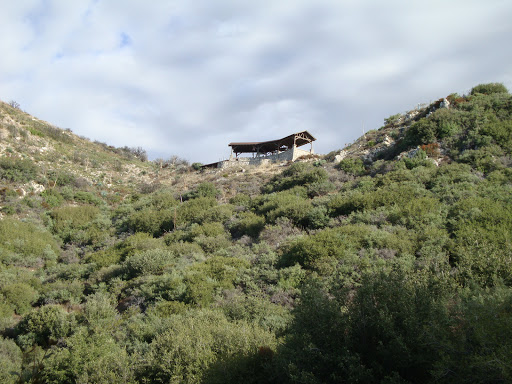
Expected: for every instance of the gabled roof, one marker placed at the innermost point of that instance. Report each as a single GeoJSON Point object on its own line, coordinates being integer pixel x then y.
{"type": "Point", "coordinates": [300, 138]}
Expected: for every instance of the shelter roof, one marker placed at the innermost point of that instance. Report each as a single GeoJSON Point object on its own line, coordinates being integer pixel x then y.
{"type": "Point", "coordinates": [299, 139]}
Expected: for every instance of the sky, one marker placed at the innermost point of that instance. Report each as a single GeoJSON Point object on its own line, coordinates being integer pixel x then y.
{"type": "Point", "coordinates": [187, 77]}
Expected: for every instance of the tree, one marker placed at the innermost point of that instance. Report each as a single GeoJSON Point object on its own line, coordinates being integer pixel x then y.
{"type": "Point", "coordinates": [14, 104]}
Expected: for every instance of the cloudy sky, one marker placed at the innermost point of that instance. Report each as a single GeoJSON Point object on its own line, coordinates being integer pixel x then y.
{"type": "Point", "coordinates": [186, 77]}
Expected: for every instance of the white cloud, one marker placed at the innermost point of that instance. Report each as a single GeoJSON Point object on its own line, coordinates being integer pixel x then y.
{"type": "Point", "coordinates": [186, 78]}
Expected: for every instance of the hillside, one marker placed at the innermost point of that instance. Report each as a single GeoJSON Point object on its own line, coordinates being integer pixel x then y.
{"type": "Point", "coordinates": [387, 261]}
{"type": "Point", "coordinates": [47, 157]}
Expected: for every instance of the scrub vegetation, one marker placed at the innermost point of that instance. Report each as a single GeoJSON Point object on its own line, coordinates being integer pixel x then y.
{"type": "Point", "coordinates": [393, 265]}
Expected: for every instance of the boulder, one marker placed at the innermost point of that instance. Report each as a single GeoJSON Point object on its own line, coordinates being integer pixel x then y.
{"type": "Point", "coordinates": [340, 156]}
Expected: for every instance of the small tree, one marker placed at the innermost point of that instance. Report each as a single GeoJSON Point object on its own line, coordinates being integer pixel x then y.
{"type": "Point", "coordinates": [140, 153]}
{"type": "Point", "coordinates": [14, 104]}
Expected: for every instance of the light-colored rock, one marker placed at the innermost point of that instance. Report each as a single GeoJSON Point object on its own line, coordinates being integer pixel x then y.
{"type": "Point", "coordinates": [387, 141]}
{"type": "Point", "coordinates": [411, 115]}
{"type": "Point", "coordinates": [340, 156]}
{"type": "Point", "coordinates": [444, 104]}
{"type": "Point", "coordinates": [36, 188]}
{"type": "Point", "coordinates": [410, 154]}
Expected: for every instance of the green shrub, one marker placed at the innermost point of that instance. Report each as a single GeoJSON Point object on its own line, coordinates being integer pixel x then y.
{"type": "Point", "coordinates": [207, 230]}
{"type": "Point", "coordinates": [352, 166]}
{"type": "Point", "coordinates": [85, 197]}
{"type": "Point", "coordinates": [26, 240]}
{"type": "Point", "coordinates": [501, 132]}
{"type": "Point", "coordinates": [298, 174]}
{"type": "Point", "coordinates": [47, 325]}
{"type": "Point", "coordinates": [393, 119]}
{"type": "Point", "coordinates": [292, 204]}
{"type": "Point", "coordinates": [345, 244]}
{"type": "Point", "coordinates": [17, 170]}
{"type": "Point", "coordinates": [52, 198]}
{"type": "Point", "coordinates": [83, 225]}
{"type": "Point", "coordinates": [247, 223]}
{"type": "Point", "coordinates": [317, 217]}
{"type": "Point", "coordinates": [481, 229]}
{"type": "Point", "coordinates": [152, 221]}
{"type": "Point", "coordinates": [137, 243]}
{"type": "Point", "coordinates": [418, 160]}
{"type": "Point", "coordinates": [420, 213]}
{"type": "Point", "coordinates": [104, 258]}
{"type": "Point", "coordinates": [454, 181]}
{"type": "Point", "coordinates": [257, 309]}
{"type": "Point", "coordinates": [152, 261]}
{"type": "Point", "coordinates": [61, 178]}
{"type": "Point", "coordinates": [286, 205]}
{"type": "Point", "coordinates": [192, 211]}
{"type": "Point", "coordinates": [241, 200]}
{"type": "Point", "coordinates": [489, 89]}
{"type": "Point", "coordinates": [392, 329]}
{"type": "Point", "coordinates": [148, 289]}
{"type": "Point", "coordinates": [87, 358]}
{"type": "Point", "coordinates": [210, 236]}
{"type": "Point", "coordinates": [486, 159]}
{"type": "Point", "coordinates": [51, 131]}
{"type": "Point", "coordinates": [10, 362]}
{"type": "Point", "coordinates": [319, 188]}
{"type": "Point", "coordinates": [21, 296]}
{"type": "Point", "coordinates": [205, 278]}
{"type": "Point", "coordinates": [65, 290]}
{"type": "Point", "coordinates": [346, 203]}
{"type": "Point", "coordinates": [7, 316]}
{"type": "Point", "coordinates": [186, 252]}
{"type": "Point", "coordinates": [480, 338]}
{"type": "Point", "coordinates": [206, 348]}
{"type": "Point", "coordinates": [72, 217]}
{"type": "Point", "coordinates": [202, 190]}
{"type": "Point", "coordinates": [223, 270]}
{"type": "Point", "coordinates": [448, 129]}
{"type": "Point", "coordinates": [197, 166]}
{"type": "Point", "coordinates": [160, 200]}
{"type": "Point", "coordinates": [199, 290]}
{"type": "Point", "coordinates": [423, 131]}
{"type": "Point", "coordinates": [100, 313]}
{"type": "Point", "coordinates": [217, 214]}
{"type": "Point", "coordinates": [168, 308]}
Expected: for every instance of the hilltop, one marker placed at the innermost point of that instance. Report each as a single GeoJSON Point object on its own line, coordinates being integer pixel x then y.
{"type": "Point", "coordinates": [388, 260]}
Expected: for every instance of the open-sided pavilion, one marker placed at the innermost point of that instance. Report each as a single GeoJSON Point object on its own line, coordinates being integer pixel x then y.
{"type": "Point", "coordinates": [273, 147]}
{"type": "Point", "coordinates": [285, 149]}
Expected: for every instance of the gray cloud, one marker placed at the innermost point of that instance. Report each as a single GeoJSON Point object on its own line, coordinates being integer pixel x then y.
{"type": "Point", "coordinates": [187, 77]}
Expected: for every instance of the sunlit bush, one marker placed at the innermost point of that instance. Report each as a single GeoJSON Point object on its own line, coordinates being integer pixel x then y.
{"type": "Point", "coordinates": [298, 174]}
{"type": "Point", "coordinates": [17, 170]}
{"type": "Point", "coordinates": [489, 89]}
{"type": "Point", "coordinates": [23, 243]}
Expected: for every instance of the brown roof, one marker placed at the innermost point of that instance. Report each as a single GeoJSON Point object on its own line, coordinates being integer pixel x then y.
{"type": "Point", "coordinates": [300, 138]}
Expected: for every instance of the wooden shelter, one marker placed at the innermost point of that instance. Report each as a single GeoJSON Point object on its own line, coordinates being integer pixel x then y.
{"type": "Point", "coordinates": [272, 147]}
